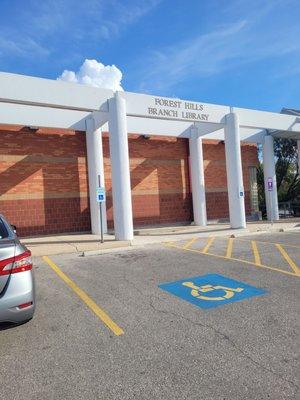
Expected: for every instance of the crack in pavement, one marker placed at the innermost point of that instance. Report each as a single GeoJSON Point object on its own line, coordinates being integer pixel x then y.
{"type": "Point", "coordinates": [74, 246]}
{"type": "Point", "coordinates": [227, 338]}
{"type": "Point", "coordinates": [217, 332]}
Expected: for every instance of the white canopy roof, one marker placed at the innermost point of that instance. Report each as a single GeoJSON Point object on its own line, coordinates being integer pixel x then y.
{"type": "Point", "coordinates": [30, 101]}
{"type": "Point", "coordinates": [288, 134]}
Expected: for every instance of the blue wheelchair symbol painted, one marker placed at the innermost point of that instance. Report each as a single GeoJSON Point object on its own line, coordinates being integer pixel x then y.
{"type": "Point", "coordinates": [211, 290]}
{"type": "Point", "coordinates": [198, 291]}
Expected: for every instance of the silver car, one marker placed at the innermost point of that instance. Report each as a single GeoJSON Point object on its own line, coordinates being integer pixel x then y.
{"type": "Point", "coordinates": [17, 295]}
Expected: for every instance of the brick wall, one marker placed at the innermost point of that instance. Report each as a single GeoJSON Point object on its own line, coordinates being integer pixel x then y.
{"type": "Point", "coordinates": [43, 180]}
{"type": "Point", "coordinates": [44, 187]}
{"type": "Point", "coordinates": [216, 180]}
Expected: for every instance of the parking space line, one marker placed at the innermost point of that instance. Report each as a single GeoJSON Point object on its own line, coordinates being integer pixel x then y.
{"type": "Point", "coordinates": [255, 253]}
{"type": "Point", "coordinates": [265, 241]}
{"type": "Point", "coordinates": [229, 248]}
{"type": "Point", "coordinates": [190, 242]}
{"type": "Point", "coordinates": [288, 259]}
{"type": "Point", "coordinates": [236, 259]}
{"type": "Point", "coordinates": [209, 243]}
{"type": "Point", "coordinates": [86, 299]}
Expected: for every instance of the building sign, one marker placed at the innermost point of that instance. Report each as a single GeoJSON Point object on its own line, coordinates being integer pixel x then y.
{"type": "Point", "coordinates": [166, 108]}
{"type": "Point", "coordinates": [178, 109]}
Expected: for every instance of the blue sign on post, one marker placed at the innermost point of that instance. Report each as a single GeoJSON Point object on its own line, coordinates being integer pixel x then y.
{"type": "Point", "coordinates": [211, 290]}
{"type": "Point", "coordinates": [100, 194]}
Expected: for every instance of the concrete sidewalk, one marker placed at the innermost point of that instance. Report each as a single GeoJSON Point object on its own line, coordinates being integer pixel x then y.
{"type": "Point", "coordinates": [176, 233]}
{"type": "Point", "coordinates": [88, 244]}
{"type": "Point", "coordinates": [72, 243]}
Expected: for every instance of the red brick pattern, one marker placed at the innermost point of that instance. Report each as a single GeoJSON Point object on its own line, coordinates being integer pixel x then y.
{"type": "Point", "coordinates": [217, 205]}
{"type": "Point", "coordinates": [44, 185]}
{"type": "Point", "coordinates": [43, 180]}
{"type": "Point", "coordinates": [47, 216]}
{"type": "Point", "coordinates": [163, 209]}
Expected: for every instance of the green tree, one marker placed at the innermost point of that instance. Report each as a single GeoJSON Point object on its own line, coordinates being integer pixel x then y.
{"type": "Point", "coordinates": [261, 186]}
{"type": "Point", "coordinates": [287, 172]}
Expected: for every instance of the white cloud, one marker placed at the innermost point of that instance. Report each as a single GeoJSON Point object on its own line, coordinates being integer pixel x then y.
{"type": "Point", "coordinates": [94, 73]}
{"type": "Point", "coordinates": [24, 47]}
{"type": "Point", "coordinates": [226, 47]}
{"type": "Point", "coordinates": [55, 26]}
{"type": "Point", "coordinates": [200, 56]}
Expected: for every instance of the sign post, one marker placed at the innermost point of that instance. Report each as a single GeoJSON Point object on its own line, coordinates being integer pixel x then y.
{"type": "Point", "coordinates": [100, 199]}
{"type": "Point", "coordinates": [270, 190]}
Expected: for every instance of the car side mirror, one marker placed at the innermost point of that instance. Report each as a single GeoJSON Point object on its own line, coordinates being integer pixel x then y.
{"type": "Point", "coordinates": [14, 228]}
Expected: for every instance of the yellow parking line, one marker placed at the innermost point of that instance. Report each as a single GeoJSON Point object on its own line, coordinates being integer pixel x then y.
{"type": "Point", "coordinates": [86, 299]}
{"type": "Point", "coordinates": [229, 248]}
{"type": "Point", "coordinates": [189, 243]}
{"type": "Point", "coordinates": [209, 243]}
{"type": "Point", "coordinates": [266, 242]}
{"type": "Point", "coordinates": [288, 259]}
{"type": "Point", "coordinates": [255, 253]}
{"type": "Point", "coordinates": [236, 259]}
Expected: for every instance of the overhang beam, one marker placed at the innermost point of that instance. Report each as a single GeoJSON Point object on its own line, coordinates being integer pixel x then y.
{"type": "Point", "coordinates": [26, 100]}
{"type": "Point", "coordinates": [47, 117]}
{"type": "Point", "coordinates": [46, 92]}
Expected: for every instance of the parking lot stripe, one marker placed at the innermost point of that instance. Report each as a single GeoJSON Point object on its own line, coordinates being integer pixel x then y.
{"type": "Point", "coordinates": [255, 253]}
{"type": "Point", "coordinates": [235, 259]}
{"type": "Point", "coordinates": [190, 242]}
{"type": "Point", "coordinates": [265, 241]}
{"type": "Point", "coordinates": [86, 299]}
{"type": "Point", "coordinates": [209, 243]}
{"type": "Point", "coordinates": [288, 259]}
{"type": "Point", "coordinates": [229, 248]}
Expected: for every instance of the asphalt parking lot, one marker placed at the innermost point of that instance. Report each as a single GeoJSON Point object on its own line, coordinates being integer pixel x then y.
{"type": "Point", "coordinates": [107, 327]}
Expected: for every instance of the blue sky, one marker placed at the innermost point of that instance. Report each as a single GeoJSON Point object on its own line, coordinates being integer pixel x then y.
{"type": "Point", "coordinates": [240, 52]}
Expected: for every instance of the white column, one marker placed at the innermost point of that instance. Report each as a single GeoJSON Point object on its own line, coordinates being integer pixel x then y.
{"type": "Point", "coordinates": [119, 157]}
{"type": "Point", "coordinates": [197, 175]}
{"type": "Point", "coordinates": [236, 193]}
{"type": "Point", "coordinates": [95, 168]}
{"type": "Point", "coordinates": [269, 172]}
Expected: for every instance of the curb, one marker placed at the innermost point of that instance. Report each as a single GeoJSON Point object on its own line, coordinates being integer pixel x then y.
{"type": "Point", "coordinates": [104, 251]}
{"type": "Point", "coordinates": [262, 231]}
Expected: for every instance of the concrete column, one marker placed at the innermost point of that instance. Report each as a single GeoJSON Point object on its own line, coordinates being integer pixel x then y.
{"type": "Point", "coordinates": [95, 168]}
{"type": "Point", "coordinates": [236, 194]}
{"type": "Point", "coordinates": [197, 177]}
{"type": "Point", "coordinates": [119, 156]}
{"type": "Point", "coordinates": [269, 172]}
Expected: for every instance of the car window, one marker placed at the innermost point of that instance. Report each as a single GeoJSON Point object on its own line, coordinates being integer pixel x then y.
{"type": "Point", "coordinates": [3, 230]}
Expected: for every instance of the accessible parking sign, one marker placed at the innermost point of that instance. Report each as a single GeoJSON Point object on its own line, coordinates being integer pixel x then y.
{"type": "Point", "coordinates": [211, 290]}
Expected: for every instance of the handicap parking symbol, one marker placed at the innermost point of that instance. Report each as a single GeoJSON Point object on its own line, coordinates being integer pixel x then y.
{"type": "Point", "coordinates": [211, 290]}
